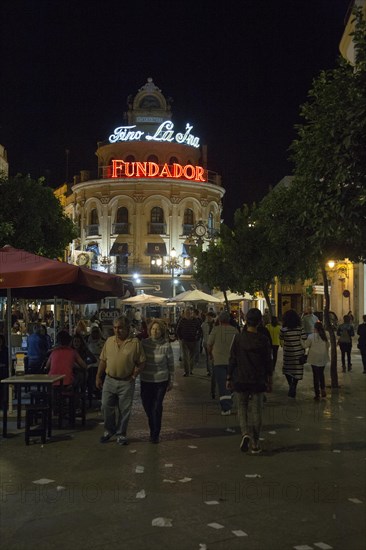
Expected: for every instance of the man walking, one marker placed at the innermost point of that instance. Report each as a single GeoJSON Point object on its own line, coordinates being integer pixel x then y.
{"type": "Point", "coordinates": [189, 331]}
{"type": "Point", "coordinates": [219, 344]}
{"type": "Point", "coordinates": [122, 358]}
{"type": "Point", "coordinates": [251, 362]}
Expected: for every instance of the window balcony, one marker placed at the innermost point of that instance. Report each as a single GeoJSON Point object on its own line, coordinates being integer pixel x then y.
{"type": "Point", "coordinates": [121, 228]}
{"type": "Point", "coordinates": [187, 229]}
{"type": "Point", "coordinates": [92, 230]}
{"type": "Point", "coordinates": [156, 228]}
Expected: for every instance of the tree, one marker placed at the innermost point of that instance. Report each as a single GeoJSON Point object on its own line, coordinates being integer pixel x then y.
{"type": "Point", "coordinates": [330, 166]}
{"type": "Point", "coordinates": [213, 266]}
{"type": "Point", "coordinates": [31, 217]}
{"type": "Point", "coordinates": [268, 243]}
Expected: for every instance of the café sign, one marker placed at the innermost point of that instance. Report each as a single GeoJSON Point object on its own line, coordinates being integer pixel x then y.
{"type": "Point", "coordinates": [165, 132]}
{"type": "Point", "coordinates": [123, 169]}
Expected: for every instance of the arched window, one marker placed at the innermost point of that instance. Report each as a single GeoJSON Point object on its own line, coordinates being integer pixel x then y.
{"type": "Point", "coordinates": [130, 158]}
{"type": "Point", "coordinates": [210, 225]}
{"type": "Point", "coordinates": [188, 221]}
{"type": "Point", "coordinates": [188, 216]}
{"type": "Point", "coordinates": [173, 160]}
{"type": "Point", "coordinates": [153, 158]}
{"type": "Point", "coordinates": [157, 225]}
{"type": "Point", "coordinates": [94, 216]}
{"type": "Point", "coordinates": [121, 226]}
{"type": "Point", "coordinates": [93, 227]}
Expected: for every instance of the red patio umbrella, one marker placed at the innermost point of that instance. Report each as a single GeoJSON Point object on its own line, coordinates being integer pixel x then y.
{"type": "Point", "coordinates": [31, 276]}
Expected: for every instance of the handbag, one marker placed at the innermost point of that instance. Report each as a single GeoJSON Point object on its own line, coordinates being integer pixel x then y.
{"type": "Point", "coordinates": [303, 359]}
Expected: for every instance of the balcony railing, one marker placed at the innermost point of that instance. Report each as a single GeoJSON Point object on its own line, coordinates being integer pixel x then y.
{"type": "Point", "coordinates": [121, 228]}
{"type": "Point", "coordinates": [187, 229]}
{"type": "Point", "coordinates": [92, 230]}
{"type": "Point", "coordinates": [156, 228]}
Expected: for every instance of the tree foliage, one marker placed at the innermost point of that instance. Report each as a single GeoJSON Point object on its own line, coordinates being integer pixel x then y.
{"type": "Point", "coordinates": [31, 217]}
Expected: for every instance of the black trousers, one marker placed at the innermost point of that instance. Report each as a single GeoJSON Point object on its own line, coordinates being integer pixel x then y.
{"type": "Point", "coordinates": [318, 379]}
{"type": "Point", "coordinates": [345, 350]}
{"type": "Point", "coordinates": [152, 397]}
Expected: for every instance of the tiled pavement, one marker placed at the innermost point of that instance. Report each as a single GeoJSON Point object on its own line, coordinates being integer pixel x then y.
{"type": "Point", "coordinates": [306, 490]}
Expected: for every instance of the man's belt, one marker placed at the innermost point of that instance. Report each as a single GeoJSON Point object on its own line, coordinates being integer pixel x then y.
{"type": "Point", "coordinates": [121, 379]}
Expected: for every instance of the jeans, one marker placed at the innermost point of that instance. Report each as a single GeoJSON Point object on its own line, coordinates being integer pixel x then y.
{"type": "Point", "coordinates": [250, 414]}
{"type": "Point", "coordinates": [318, 379]}
{"type": "Point", "coordinates": [188, 350]}
{"type": "Point", "coordinates": [117, 398]}
{"type": "Point", "coordinates": [346, 350]}
{"type": "Point", "coordinates": [152, 396]}
{"type": "Point", "coordinates": [226, 401]}
{"type": "Point", "coordinates": [292, 382]}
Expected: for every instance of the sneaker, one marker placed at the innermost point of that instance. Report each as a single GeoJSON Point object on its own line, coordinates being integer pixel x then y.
{"type": "Point", "coordinates": [226, 413]}
{"type": "Point", "coordinates": [317, 397]}
{"type": "Point", "coordinates": [106, 437]}
{"type": "Point", "coordinates": [186, 374]}
{"type": "Point", "coordinates": [122, 440]}
{"type": "Point", "coordinates": [256, 449]}
{"type": "Point", "coordinates": [244, 445]}
{"type": "Point", "coordinates": [154, 440]}
{"type": "Point", "coordinates": [324, 393]}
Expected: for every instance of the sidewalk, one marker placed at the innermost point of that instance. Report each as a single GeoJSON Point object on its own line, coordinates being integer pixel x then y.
{"type": "Point", "coordinates": [306, 490]}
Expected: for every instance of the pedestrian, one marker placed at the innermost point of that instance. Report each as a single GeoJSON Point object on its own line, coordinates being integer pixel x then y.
{"type": "Point", "coordinates": [158, 375]}
{"type": "Point", "coordinates": [308, 321]}
{"type": "Point", "coordinates": [318, 357]}
{"type": "Point", "coordinates": [189, 331]}
{"type": "Point", "coordinates": [218, 345]}
{"type": "Point", "coordinates": [345, 332]}
{"type": "Point", "coordinates": [361, 331]}
{"type": "Point", "coordinates": [207, 327]}
{"type": "Point", "coordinates": [292, 339]}
{"type": "Point", "coordinates": [122, 359]}
{"type": "Point", "coordinates": [250, 363]}
{"type": "Point", "coordinates": [274, 331]}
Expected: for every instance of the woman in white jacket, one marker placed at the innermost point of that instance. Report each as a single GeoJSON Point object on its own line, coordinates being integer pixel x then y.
{"type": "Point", "coordinates": [318, 357]}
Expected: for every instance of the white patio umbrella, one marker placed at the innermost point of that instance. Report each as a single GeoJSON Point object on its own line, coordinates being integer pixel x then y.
{"type": "Point", "coordinates": [195, 296]}
{"type": "Point", "coordinates": [233, 296]}
{"type": "Point", "coordinates": [145, 300]}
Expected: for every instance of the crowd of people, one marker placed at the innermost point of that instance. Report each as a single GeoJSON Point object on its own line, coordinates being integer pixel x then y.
{"type": "Point", "coordinates": [239, 359]}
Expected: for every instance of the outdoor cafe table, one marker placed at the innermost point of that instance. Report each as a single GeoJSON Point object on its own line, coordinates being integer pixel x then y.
{"type": "Point", "coordinates": [43, 381]}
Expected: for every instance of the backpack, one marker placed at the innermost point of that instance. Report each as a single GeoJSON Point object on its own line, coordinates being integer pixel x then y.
{"type": "Point", "coordinates": [344, 336]}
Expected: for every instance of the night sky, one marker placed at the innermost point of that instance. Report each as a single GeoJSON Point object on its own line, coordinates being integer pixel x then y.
{"type": "Point", "coordinates": [237, 70]}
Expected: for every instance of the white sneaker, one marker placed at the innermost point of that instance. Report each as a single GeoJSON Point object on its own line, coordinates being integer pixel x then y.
{"type": "Point", "coordinates": [226, 413]}
{"type": "Point", "coordinates": [122, 440]}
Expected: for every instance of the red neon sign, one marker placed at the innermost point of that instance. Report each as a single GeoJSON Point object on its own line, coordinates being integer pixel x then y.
{"type": "Point", "coordinates": [122, 169]}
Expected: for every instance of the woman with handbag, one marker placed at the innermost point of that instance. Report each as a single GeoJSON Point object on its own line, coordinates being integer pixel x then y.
{"type": "Point", "coordinates": [292, 339]}
{"type": "Point", "coordinates": [318, 357]}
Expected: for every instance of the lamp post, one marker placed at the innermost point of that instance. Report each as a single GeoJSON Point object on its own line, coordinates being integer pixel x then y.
{"type": "Point", "coordinates": [173, 265]}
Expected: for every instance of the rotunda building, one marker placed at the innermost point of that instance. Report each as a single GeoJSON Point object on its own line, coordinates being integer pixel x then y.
{"type": "Point", "coordinates": [153, 198]}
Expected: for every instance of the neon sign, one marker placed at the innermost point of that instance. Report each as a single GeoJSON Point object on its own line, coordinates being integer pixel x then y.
{"type": "Point", "coordinates": [165, 132]}
{"type": "Point", "coordinates": [122, 169]}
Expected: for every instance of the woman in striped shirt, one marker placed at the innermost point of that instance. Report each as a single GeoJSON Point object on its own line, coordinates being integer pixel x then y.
{"type": "Point", "coordinates": [157, 376]}
{"type": "Point", "coordinates": [292, 339]}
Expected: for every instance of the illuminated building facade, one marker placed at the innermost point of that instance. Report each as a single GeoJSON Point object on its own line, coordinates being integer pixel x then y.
{"type": "Point", "coordinates": [150, 201]}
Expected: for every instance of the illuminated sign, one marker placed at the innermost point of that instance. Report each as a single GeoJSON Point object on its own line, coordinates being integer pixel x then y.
{"type": "Point", "coordinates": [165, 132]}
{"type": "Point", "coordinates": [122, 169]}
